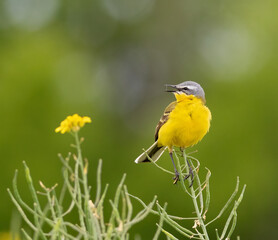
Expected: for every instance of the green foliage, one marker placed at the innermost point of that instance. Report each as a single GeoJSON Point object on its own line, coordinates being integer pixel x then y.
{"type": "Point", "coordinates": [200, 195]}
{"type": "Point", "coordinates": [50, 221]}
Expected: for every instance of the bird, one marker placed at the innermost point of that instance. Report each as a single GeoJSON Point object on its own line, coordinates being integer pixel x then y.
{"type": "Point", "coordinates": [183, 124]}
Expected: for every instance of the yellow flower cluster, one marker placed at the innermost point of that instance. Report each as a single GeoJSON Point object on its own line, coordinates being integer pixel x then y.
{"type": "Point", "coordinates": [72, 123]}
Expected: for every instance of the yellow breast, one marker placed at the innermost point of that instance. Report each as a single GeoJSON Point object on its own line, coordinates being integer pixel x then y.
{"type": "Point", "coordinates": [187, 124]}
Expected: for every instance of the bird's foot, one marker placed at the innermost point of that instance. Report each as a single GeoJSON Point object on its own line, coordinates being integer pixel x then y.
{"type": "Point", "coordinates": [176, 178]}
{"type": "Point", "coordinates": [190, 174]}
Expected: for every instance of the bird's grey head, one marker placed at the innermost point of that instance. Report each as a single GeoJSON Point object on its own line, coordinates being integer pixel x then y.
{"type": "Point", "coordinates": [189, 88]}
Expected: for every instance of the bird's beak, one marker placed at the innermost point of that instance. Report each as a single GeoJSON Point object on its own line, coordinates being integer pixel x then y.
{"type": "Point", "coordinates": [169, 86]}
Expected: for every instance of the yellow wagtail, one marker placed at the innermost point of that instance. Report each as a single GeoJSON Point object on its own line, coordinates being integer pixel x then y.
{"type": "Point", "coordinates": [183, 123]}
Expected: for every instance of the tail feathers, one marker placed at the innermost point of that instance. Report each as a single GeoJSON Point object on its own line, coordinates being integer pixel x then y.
{"type": "Point", "coordinates": [154, 153]}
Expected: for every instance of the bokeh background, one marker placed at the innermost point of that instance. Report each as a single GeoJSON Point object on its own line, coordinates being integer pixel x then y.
{"type": "Point", "coordinates": [110, 59]}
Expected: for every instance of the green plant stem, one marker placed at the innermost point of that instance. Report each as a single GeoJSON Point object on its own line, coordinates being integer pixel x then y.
{"type": "Point", "coordinates": [233, 215]}
{"type": "Point", "coordinates": [195, 203]}
{"type": "Point", "coordinates": [79, 198]}
{"type": "Point", "coordinates": [31, 186]}
{"type": "Point", "coordinates": [161, 220]}
{"type": "Point", "coordinates": [175, 225]}
{"type": "Point", "coordinates": [26, 235]}
{"type": "Point", "coordinates": [98, 190]}
{"type": "Point", "coordinates": [85, 185]}
{"type": "Point", "coordinates": [153, 162]}
{"type": "Point", "coordinates": [227, 203]}
{"type": "Point", "coordinates": [111, 224]}
{"type": "Point", "coordinates": [207, 193]}
{"type": "Point", "coordinates": [25, 218]}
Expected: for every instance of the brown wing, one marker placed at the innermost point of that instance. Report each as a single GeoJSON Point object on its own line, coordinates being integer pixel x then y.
{"type": "Point", "coordinates": [164, 118]}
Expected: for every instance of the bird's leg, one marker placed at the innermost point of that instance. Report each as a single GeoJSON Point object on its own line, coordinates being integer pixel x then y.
{"type": "Point", "coordinates": [190, 174]}
{"type": "Point", "coordinates": [181, 149]}
{"type": "Point", "coordinates": [177, 175]}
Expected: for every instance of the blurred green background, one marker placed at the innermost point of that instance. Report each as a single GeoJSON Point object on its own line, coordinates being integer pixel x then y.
{"type": "Point", "coordinates": [110, 59]}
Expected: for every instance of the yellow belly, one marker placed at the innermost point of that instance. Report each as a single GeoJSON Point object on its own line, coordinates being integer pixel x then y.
{"type": "Point", "coordinates": [187, 124]}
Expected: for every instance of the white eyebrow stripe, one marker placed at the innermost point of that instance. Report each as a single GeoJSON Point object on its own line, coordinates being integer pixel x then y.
{"type": "Point", "coordinates": [191, 87]}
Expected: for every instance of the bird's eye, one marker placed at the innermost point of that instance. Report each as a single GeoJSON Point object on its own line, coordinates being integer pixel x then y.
{"type": "Point", "coordinates": [185, 88]}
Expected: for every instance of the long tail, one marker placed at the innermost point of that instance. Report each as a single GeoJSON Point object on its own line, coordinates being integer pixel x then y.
{"type": "Point", "coordinates": [154, 153]}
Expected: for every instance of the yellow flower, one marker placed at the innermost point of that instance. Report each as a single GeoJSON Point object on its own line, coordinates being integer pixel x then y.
{"type": "Point", "coordinates": [72, 123]}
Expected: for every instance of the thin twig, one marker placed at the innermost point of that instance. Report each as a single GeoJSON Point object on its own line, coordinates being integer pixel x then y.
{"type": "Point", "coordinates": [161, 220]}
{"type": "Point", "coordinates": [161, 168]}
{"type": "Point", "coordinates": [227, 203]}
